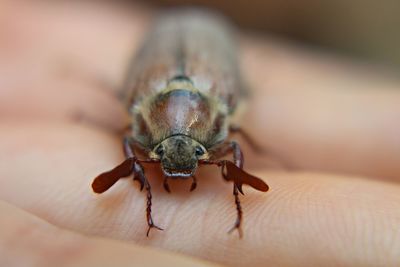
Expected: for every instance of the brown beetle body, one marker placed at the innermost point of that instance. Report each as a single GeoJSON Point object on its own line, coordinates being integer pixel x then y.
{"type": "Point", "coordinates": [182, 91]}
{"type": "Point", "coordinates": [185, 80]}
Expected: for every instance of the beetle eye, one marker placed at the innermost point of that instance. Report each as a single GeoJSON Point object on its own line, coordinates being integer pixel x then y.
{"type": "Point", "coordinates": [160, 151]}
{"type": "Point", "coordinates": [199, 151]}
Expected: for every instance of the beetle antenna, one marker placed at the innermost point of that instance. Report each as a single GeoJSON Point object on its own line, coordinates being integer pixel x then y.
{"type": "Point", "coordinates": [107, 179]}
{"type": "Point", "coordinates": [231, 172]}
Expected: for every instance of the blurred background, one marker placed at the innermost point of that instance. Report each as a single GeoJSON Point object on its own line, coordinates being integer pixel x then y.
{"type": "Point", "coordinates": [367, 30]}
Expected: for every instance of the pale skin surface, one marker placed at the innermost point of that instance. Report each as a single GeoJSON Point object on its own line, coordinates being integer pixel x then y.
{"type": "Point", "coordinates": [336, 121]}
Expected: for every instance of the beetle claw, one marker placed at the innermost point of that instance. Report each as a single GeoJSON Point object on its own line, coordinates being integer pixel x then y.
{"type": "Point", "coordinates": [239, 187]}
{"type": "Point", "coordinates": [194, 184]}
{"type": "Point", "coordinates": [237, 227]}
{"type": "Point", "coordinates": [166, 185]}
{"type": "Point", "coordinates": [153, 226]}
{"type": "Point", "coordinates": [140, 180]}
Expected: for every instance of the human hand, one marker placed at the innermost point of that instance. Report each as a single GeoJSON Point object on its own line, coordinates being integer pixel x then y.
{"type": "Point", "coordinates": [336, 121]}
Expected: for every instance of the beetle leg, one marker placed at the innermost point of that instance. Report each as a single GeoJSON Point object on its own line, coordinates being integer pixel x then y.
{"type": "Point", "coordinates": [138, 172]}
{"type": "Point", "coordinates": [150, 222]}
{"type": "Point", "coordinates": [139, 175]}
{"type": "Point", "coordinates": [194, 184]}
{"type": "Point", "coordinates": [253, 144]}
{"type": "Point", "coordinates": [107, 179]}
{"type": "Point", "coordinates": [238, 221]}
{"type": "Point", "coordinates": [165, 184]}
{"type": "Point", "coordinates": [282, 160]}
{"type": "Point", "coordinates": [221, 150]}
{"type": "Point", "coordinates": [239, 161]}
{"type": "Point", "coordinates": [233, 171]}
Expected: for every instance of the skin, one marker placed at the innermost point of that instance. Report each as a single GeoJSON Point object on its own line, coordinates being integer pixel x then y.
{"type": "Point", "coordinates": [335, 120]}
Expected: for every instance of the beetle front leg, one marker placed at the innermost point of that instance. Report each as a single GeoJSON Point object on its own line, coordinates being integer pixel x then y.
{"type": "Point", "coordinates": [253, 144]}
{"type": "Point", "coordinates": [285, 162]}
{"type": "Point", "coordinates": [194, 183]}
{"type": "Point", "coordinates": [150, 222]}
{"type": "Point", "coordinates": [233, 171]}
{"type": "Point", "coordinates": [239, 161]}
{"type": "Point", "coordinates": [138, 173]}
{"type": "Point", "coordinates": [239, 216]}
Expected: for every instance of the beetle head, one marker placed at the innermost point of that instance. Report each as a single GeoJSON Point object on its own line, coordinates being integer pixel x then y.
{"type": "Point", "coordinates": [179, 155]}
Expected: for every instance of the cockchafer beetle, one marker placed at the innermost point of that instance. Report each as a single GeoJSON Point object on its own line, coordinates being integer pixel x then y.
{"type": "Point", "coordinates": [182, 91]}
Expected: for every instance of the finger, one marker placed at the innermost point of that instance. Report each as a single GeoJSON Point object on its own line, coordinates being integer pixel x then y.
{"type": "Point", "coordinates": [321, 112]}
{"type": "Point", "coordinates": [52, 58]}
{"type": "Point", "coordinates": [74, 102]}
{"type": "Point", "coordinates": [60, 64]}
{"type": "Point", "coordinates": [306, 219]}
{"type": "Point", "coordinates": [26, 240]}
{"type": "Point", "coordinates": [79, 40]}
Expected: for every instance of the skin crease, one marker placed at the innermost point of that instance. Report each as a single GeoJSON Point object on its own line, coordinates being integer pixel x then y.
{"type": "Point", "coordinates": [335, 120]}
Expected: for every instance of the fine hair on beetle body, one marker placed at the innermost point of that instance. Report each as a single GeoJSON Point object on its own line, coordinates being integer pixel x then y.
{"type": "Point", "coordinates": [182, 91]}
